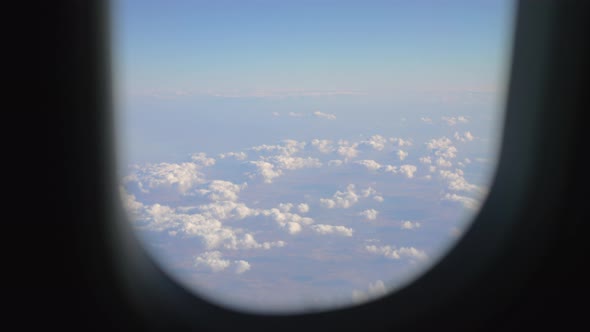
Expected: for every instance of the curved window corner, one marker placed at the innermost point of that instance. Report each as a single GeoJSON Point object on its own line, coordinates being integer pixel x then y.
{"type": "Point", "coordinates": [293, 157]}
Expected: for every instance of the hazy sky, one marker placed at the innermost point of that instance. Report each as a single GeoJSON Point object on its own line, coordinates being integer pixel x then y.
{"type": "Point", "coordinates": [321, 151]}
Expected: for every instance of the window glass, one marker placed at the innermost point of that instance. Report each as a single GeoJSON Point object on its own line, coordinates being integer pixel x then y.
{"type": "Point", "coordinates": [288, 156]}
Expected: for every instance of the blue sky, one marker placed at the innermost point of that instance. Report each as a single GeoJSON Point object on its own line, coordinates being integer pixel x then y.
{"type": "Point", "coordinates": [372, 46]}
{"type": "Point", "coordinates": [326, 151]}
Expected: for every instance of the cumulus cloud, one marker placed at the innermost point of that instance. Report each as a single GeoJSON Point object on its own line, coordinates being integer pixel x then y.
{"type": "Point", "coordinates": [222, 210]}
{"type": "Point", "coordinates": [322, 115]}
{"type": "Point", "coordinates": [293, 227]}
{"type": "Point", "coordinates": [443, 147]}
{"type": "Point", "coordinates": [131, 204]}
{"type": "Point", "coordinates": [236, 155]}
{"type": "Point", "coordinates": [465, 137]}
{"type": "Point", "coordinates": [329, 229]}
{"type": "Point", "coordinates": [287, 147]}
{"type": "Point", "coordinates": [426, 119]}
{"type": "Point", "coordinates": [292, 163]}
{"type": "Point", "coordinates": [377, 142]}
{"type": "Point", "coordinates": [426, 160]}
{"type": "Point", "coordinates": [457, 182]}
{"type": "Point", "coordinates": [347, 150]}
{"type": "Point", "coordinates": [370, 214]}
{"type": "Point", "coordinates": [341, 199]}
{"type": "Point", "coordinates": [181, 177]}
{"type": "Point", "coordinates": [439, 143]}
{"type": "Point", "coordinates": [266, 170]}
{"type": "Point", "coordinates": [295, 114]}
{"type": "Point", "coordinates": [241, 266]}
{"type": "Point", "coordinates": [402, 154]}
{"type": "Point", "coordinates": [206, 225]}
{"type": "Point", "coordinates": [390, 169]}
{"type": "Point", "coordinates": [219, 190]}
{"type": "Point", "coordinates": [442, 162]}
{"type": "Point", "coordinates": [292, 222]}
{"type": "Point", "coordinates": [374, 290]}
{"type": "Point", "coordinates": [406, 224]}
{"type": "Point", "coordinates": [400, 141]}
{"type": "Point", "coordinates": [467, 202]}
{"type": "Point", "coordinates": [202, 159]}
{"type": "Point", "coordinates": [285, 207]}
{"type": "Point", "coordinates": [453, 120]}
{"type": "Point", "coordinates": [303, 208]}
{"type": "Point", "coordinates": [371, 165]}
{"type": "Point", "coordinates": [397, 253]}
{"type": "Point", "coordinates": [323, 145]}
{"type": "Point", "coordinates": [378, 198]}
{"type": "Point", "coordinates": [213, 261]}
{"type": "Point", "coordinates": [408, 170]}
{"type": "Point", "coordinates": [368, 192]}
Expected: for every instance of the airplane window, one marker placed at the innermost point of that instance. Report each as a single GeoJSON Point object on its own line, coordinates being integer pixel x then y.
{"type": "Point", "coordinates": [292, 156]}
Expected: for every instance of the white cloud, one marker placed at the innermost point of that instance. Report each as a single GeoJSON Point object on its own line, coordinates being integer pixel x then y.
{"type": "Point", "coordinates": [443, 147]}
{"type": "Point", "coordinates": [400, 141]}
{"type": "Point", "coordinates": [293, 227]}
{"type": "Point", "coordinates": [465, 137]}
{"type": "Point", "coordinates": [295, 114]}
{"type": "Point", "coordinates": [426, 119]}
{"type": "Point", "coordinates": [426, 160]}
{"type": "Point", "coordinates": [285, 207]}
{"type": "Point", "coordinates": [292, 222]}
{"type": "Point", "coordinates": [374, 290]}
{"type": "Point", "coordinates": [370, 214]}
{"type": "Point", "coordinates": [467, 202]}
{"type": "Point", "coordinates": [408, 170]}
{"type": "Point", "coordinates": [206, 226]}
{"type": "Point", "coordinates": [202, 159]}
{"type": "Point", "coordinates": [453, 120]}
{"type": "Point", "coordinates": [222, 210]}
{"type": "Point", "coordinates": [323, 145]}
{"type": "Point", "coordinates": [181, 177]}
{"type": "Point", "coordinates": [440, 143]}
{"type": "Point", "coordinates": [236, 155]}
{"type": "Point", "coordinates": [442, 162]}
{"type": "Point", "coordinates": [346, 150]}
{"type": "Point", "coordinates": [303, 208]}
{"type": "Point", "coordinates": [212, 260]}
{"type": "Point", "coordinates": [266, 170]}
{"type": "Point", "coordinates": [377, 142]}
{"type": "Point", "coordinates": [220, 190]}
{"type": "Point", "coordinates": [371, 165]}
{"type": "Point", "coordinates": [329, 229]}
{"type": "Point", "coordinates": [341, 199]}
{"type": "Point", "coordinates": [241, 266]}
{"type": "Point", "coordinates": [457, 182]}
{"type": "Point", "coordinates": [368, 192]}
{"type": "Point", "coordinates": [291, 163]}
{"type": "Point", "coordinates": [378, 198]}
{"type": "Point", "coordinates": [131, 204]}
{"type": "Point", "coordinates": [287, 147]}
{"type": "Point", "coordinates": [328, 116]}
{"type": "Point", "coordinates": [390, 169]}
{"type": "Point", "coordinates": [402, 154]}
{"type": "Point", "coordinates": [395, 253]}
{"type": "Point", "coordinates": [406, 224]}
